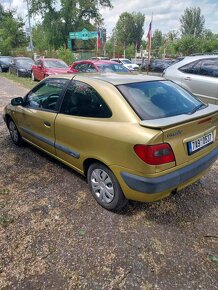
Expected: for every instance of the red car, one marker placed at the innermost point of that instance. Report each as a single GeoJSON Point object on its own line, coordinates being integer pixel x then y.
{"type": "Point", "coordinates": [44, 67]}
{"type": "Point", "coordinates": [96, 65]}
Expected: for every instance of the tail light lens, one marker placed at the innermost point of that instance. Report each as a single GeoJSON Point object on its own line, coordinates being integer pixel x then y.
{"type": "Point", "coordinates": [155, 154]}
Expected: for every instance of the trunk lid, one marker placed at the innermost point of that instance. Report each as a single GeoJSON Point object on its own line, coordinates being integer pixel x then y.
{"type": "Point", "coordinates": [190, 136]}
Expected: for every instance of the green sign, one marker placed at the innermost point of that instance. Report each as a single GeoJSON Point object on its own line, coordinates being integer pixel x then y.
{"type": "Point", "coordinates": [83, 35]}
{"type": "Point", "coordinates": [69, 43]}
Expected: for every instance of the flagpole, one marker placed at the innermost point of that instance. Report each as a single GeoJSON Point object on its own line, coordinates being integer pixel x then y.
{"type": "Point", "coordinates": [149, 42]}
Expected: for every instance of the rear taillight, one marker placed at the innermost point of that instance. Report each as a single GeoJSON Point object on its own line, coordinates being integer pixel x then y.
{"type": "Point", "coordinates": [155, 154]}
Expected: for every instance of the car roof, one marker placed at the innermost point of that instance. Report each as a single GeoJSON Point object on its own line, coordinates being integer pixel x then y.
{"type": "Point", "coordinates": [113, 78]}
{"type": "Point", "coordinates": [189, 59]}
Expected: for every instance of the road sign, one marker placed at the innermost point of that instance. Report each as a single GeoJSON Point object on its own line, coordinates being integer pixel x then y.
{"type": "Point", "coordinates": [83, 35]}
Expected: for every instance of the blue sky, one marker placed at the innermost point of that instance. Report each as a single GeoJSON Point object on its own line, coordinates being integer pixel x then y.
{"type": "Point", "coordinates": [166, 13]}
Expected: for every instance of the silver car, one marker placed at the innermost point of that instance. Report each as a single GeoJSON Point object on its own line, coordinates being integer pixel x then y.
{"type": "Point", "coordinates": [198, 74]}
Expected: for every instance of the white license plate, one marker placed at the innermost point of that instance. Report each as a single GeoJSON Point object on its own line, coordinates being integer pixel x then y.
{"type": "Point", "coordinates": [200, 143]}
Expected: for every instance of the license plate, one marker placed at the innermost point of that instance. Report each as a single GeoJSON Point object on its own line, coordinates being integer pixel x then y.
{"type": "Point", "coordinates": [200, 143]}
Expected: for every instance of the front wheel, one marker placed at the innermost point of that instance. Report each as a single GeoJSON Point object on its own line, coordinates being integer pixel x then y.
{"type": "Point", "coordinates": [105, 187]}
{"type": "Point", "coordinates": [15, 135]}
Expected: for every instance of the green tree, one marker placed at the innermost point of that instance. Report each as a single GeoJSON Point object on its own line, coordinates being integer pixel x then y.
{"type": "Point", "coordinates": [156, 42]}
{"type": "Point", "coordinates": [73, 15]}
{"type": "Point", "coordinates": [192, 22]}
{"type": "Point", "coordinates": [11, 32]}
{"type": "Point", "coordinates": [129, 29]}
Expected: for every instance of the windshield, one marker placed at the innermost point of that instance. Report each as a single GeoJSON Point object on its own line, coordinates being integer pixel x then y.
{"type": "Point", "coordinates": [25, 62]}
{"type": "Point", "coordinates": [55, 64]}
{"type": "Point", "coordinates": [6, 60]}
{"type": "Point", "coordinates": [125, 61]}
{"type": "Point", "coordinates": [159, 99]}
{"type": "Point", "coordinates": [111, 68]}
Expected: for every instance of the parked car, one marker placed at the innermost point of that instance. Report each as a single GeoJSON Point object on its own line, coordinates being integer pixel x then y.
{"type": "Point", "coordinates": [133, 136]}
{"type": "Point", "coordinates": [198, 74]}
{"type": "Point", "coordinates": [4, 63]}
{"type": "Point", "coordinates": [127, 63]}
{"type": "Point", "coordinates": [21, 66]}
{"type": "Point", "coordinates": [44, 67]}
{"type": "Point", "coordinates": [97, 66]}
{"type": "Point", "coordinates": [159, 65]}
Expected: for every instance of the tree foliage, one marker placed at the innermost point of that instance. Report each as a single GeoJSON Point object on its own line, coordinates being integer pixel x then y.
{"type": "Point", "coordinates": [192, 22]}
{"type": "Point", "coordinates": [72, 15]}
{"type": "Point", "coordinates": [129, 29]}
{"type": "Point", "coordinates": [11, 31]}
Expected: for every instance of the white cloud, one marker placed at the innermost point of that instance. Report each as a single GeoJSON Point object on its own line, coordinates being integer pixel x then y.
{"type": "Point", "coordinates": [166, 13]}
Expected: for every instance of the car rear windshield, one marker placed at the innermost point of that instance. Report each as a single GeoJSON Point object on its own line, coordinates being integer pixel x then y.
{"type": "Point", "coordinates": [159, 99]}
{"type": "Point", "coordinates": [55, 64]}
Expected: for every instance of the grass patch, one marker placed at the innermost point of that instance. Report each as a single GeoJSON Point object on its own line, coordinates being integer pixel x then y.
{"type": "Point", "coordinates": [5, 221]}
{"type": "Point", "coordinates": [25, 82]}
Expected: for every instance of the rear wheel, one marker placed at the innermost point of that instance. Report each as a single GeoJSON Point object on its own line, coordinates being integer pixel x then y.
{"type": "Point", "coordinates": [105, 187]}
{"type": "Point", "coordinates": [15, 135]}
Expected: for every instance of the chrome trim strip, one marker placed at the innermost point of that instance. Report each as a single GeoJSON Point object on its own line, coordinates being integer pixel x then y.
{"type": "Point", "coordinates": [67, 150]}
{"type": "Point", "coordinates": [38, 136]}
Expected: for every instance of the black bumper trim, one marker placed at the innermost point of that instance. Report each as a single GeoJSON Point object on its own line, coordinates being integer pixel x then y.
{"type": "Point", "coordinates": [170, 180]}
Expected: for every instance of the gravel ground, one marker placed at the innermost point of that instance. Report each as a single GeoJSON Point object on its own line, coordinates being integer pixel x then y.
{"type": "Point", "coordinates": [53, 235]}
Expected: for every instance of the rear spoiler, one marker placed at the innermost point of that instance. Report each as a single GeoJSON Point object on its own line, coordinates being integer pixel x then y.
{"type": "Point", "coordinates": [175, 120]}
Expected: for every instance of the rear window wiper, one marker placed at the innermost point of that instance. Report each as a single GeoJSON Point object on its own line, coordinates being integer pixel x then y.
{"type": "Point", "coordinates": [198, 107]}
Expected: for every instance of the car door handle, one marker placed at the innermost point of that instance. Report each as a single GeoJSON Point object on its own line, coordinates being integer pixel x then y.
{"type": "Point", "coordinates": [47, 124]}
{"type": "Point", "coordinates": [187, 79]}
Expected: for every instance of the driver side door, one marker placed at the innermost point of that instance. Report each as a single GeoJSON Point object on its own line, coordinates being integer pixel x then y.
{"type": "Point", "coordinates": [36, 118]}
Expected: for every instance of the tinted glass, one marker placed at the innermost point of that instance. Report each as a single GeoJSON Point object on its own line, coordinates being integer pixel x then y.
{"type": "Point", "coordinates": [82, 100]}
{"type": "Point", "coordinates": [158, 99]}
{"type": "Point", "coordinates": [192, 68]}
{"type": "Point", "coordinates": [6, 60]}
{"type": "Point", "coordinates": [55, 64]}
{"type": "Point", "coordinates": [46, 95]}
{"type": "Point", "coordinates": [126, 61]}
{"type": "Point", "coordinates": [111, 67]}
{"type": "Point", "coordinates": [82, 67]}
{"type": "Point", "coordinates": [25, 62]}
{"type": "Point", "coordinates": [209, 67]}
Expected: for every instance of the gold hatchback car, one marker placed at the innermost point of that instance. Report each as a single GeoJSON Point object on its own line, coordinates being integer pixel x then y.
{"type": "Point", "coordinates": [133, 136]}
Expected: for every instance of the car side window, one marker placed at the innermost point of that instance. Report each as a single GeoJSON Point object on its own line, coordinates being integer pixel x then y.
{"type": "Point", "coordinates": [46, 95]}
{"type": "Point", "coordinates": [82, 100]}
{"type": "Point", "coordinates": [90, 68]}
{"type": "Point", "coordinates": [191, 68]}
{"type": "Point", "coordinates": [209, 67]}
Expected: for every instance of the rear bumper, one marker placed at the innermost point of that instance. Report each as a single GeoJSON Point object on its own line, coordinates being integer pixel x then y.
{"type": "Point", "coordinates": [170, 180]}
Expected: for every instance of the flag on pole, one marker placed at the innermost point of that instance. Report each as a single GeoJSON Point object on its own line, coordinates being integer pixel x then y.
{"type": "Point", "coordinates": [149, 36]}
{"type": "Point", "coordinates": [149, 39]}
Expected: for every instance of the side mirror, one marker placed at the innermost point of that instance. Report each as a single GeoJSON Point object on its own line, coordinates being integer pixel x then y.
{"type": "Point", "coordinates": [17, 101]}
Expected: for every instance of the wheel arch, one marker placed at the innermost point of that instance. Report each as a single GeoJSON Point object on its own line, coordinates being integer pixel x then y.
{"type": "Point", "coordinates": [90, 161]}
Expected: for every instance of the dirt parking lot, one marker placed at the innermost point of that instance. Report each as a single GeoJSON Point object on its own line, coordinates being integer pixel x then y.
{"type": "Point", "coordinates": [53, 235]}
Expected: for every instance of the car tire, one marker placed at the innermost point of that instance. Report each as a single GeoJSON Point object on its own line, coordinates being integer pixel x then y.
{"type": "Point", "coordinates": [14, 133]}
{"type": "Point", "coordinates": [105, 187]}
{"type": "Point", "coordinates": [33, 77]}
